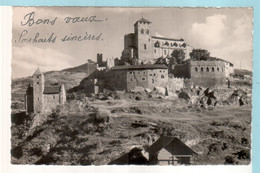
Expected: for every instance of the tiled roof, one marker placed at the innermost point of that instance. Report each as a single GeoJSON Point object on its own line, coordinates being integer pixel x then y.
{"type": "Point", "coordinates": [164, 38]}
{"type": "Point", "coordinates": [172, 144]}
{"type": "Point", "coordinates": [141, 67]}
{"type": "Point", "coordinates": [51, 90]}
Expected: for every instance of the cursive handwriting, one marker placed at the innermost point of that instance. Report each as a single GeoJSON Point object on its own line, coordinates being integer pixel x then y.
{"type": "Point", "coordinates": [30, 21]}
{"type": "Point", "coordinates": [82, 19]}
{"type": "Point", "coordinates": [85, 37]}
{"type": "Point", "coordinates": [36, 39]}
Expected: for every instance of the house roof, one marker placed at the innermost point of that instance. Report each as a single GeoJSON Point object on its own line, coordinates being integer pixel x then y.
{"type": "Point", "coordinates": [140, 67]}
{"type": "Point", "coordinates": [172, 144]}
{"type": "Point", "coordinates": [164, 38]}
{"type": "Point", "coordinates": [142, 20]}
{"type": "Point", "coordinates": [51, 90]}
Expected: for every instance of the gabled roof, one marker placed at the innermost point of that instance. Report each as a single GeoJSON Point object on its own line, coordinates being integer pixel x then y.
{"type": "Point", "coordinates": [51, 90]}
{"type": "Point", "coordinates": [172, 144]}
{"type": "Point", "coordinates": [140, 67]}
{"type": "Point", "coordinates": [142, 20]}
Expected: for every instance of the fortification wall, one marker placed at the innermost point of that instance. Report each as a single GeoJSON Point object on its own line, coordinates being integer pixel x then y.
{"type": "Point", "coordinates": [207, 73]}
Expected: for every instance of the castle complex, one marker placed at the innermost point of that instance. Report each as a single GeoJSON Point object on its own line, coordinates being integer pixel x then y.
{"type": "Point", "coordinates": [142, 49]}
{"type": "Point", "coordinates": [147, 48]}
{"type": "Point", "coordinates": [39, 98]}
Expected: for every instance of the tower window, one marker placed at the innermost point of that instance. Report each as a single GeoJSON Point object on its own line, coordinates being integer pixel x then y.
{"type": "Point", "coordinates": [201, 69]}
{"type": "Point", "coordinates": [37, 83]}
{"type": "Point", "coordinates": [143, 78]}
{"type": "Point", "coordinates": [217, 69]}
{"type": "Point", "coordinates": [142, 31]}
{"type": "Point", "coordinates": [148, 39]}
{"type": "Point", "coordinates": [152, 80]}
{"type": "Point", "coordinates": [162, 76]}
{"type": "Point", "coordinates": [213, 69]}
{"type": "Point", "coordinates": [207, 69]}
{"type": "Point", "coordinates": [196, 69]}
{"type": "Point", "coordinates": [37, 77]}
{"type": "Point", "coordinates": [145, 46]}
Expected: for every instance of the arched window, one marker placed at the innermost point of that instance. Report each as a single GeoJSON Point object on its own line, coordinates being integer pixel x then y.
{"type": "Point", "coordinates": [213, 69]}
{"type": "Point", "coordinates": [147, 31]}
{"type": "Point", "coordinates": [217, 69]}
{"type": "Point", "coordinates": [207, 69]}
{"type": "Point", "coordinates": [144, 46]}
{"type": "Point", "coordinates": [196, 68]}
{"type": "Point", "coordinates": [201, 69]}
{"type": "Point", "coordinates": [142, 31]}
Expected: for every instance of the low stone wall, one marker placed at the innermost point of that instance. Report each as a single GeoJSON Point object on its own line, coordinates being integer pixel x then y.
{"type": "Point", "coordinates": [175, 83]}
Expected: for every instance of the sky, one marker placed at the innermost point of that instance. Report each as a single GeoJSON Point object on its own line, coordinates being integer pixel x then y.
{"type": "Point", "coordinates": [226, 33]}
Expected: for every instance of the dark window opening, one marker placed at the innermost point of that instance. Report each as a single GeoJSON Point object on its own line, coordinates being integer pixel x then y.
{"type": "Point", "coordinates": [201, 69]}
{"type": "Point", "coordinates": [152, 80]}
{"type": "Point", "coordinates": [53, 96]}
{"type": "Point", "coordinates": [145, 46]}
{"type": "Point", "coordinates": [196, 69]}
{"type": "Point", "coordinates": [207, 69]}
{"type": "Point", "coordinates": [142, 31]}
{"type": "Point", "coordinates": [162, 76]}
{"type": "Point", "coordinates": [217, 69]}
{"type": "Point", "coordinates": [213, 69]}
{"type": "Point", "coordinates": [143, 78]}
{"type": "Point", "coordinates": [37, 83]}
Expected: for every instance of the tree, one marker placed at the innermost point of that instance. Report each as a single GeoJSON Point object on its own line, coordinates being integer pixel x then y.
{"type": "Point", "coordinates": [199, 54]}
{"type": "Point", "coordinates": [178, 56]}
{"type": "Point", "coordinates": [161, 60]}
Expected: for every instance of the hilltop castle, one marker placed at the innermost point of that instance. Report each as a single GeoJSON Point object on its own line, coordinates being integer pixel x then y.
{"type": "Point", "coordinates": [147, 48]}
{"type": "Point", "coordinates": [39, 98]}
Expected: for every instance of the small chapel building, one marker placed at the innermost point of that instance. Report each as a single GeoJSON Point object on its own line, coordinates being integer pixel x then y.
{"type": "Point", "coordinates": [42, 99]}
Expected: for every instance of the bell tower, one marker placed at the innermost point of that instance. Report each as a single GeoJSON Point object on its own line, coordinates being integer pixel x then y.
{"type": "Point", "coordinates": [143, 40]}
{"type": "Point", "coordinates": [38, 87]}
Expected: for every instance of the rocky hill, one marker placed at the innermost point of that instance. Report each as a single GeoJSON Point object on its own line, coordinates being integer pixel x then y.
{"type": "Point", "coordinates": [215, 123]}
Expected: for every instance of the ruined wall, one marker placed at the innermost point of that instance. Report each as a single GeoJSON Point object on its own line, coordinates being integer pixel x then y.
{"type": "Point", "coordinates": [175, 83]}
{"type": "Point", "coordinates": [116, 80]}
{"type": "Point", "coordinates": [50, 102]}
{"type": "Point", "coordinates": [207, 73]}
{"type": "Point", "coordinates": [90, 86]}
{"type": "Point", "coordinates": [29, 100]}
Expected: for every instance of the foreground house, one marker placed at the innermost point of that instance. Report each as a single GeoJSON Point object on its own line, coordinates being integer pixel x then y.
{"type": "Point", "coordinates": [170, 151]}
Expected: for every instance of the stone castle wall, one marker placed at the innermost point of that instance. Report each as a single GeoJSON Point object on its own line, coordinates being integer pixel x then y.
{"type": "Point", "coordinates": [207, 73]}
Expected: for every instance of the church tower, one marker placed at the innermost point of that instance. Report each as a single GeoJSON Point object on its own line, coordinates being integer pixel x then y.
{"type": "Point", "coordinates": [143, 40]}
{"type": "Point", "coordinates": [38, 87]}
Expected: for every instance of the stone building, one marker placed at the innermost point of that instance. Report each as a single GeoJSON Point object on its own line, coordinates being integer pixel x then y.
{"type": "Point", "coordinates": [39, 98]}
{"type": "Point", "coordinates": [131, 76]}
{"type": "Point", "coordinates": [145, 47]}
{"type": "Point", "coordinates": [208, 73]}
